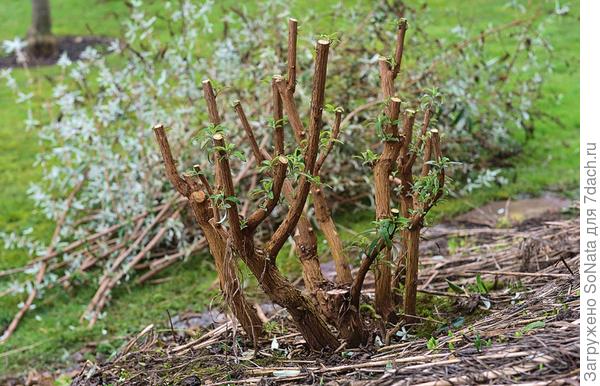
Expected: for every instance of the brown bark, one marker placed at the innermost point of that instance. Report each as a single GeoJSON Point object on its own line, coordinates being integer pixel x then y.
{"type": "Point", "coordinates": [40, 41]}
{"type": "Point", "coordinates": [334, 242]}
{"type": "Point", "coordinates": [226, 269]}
{"type": "Point", "coordinates": [278, 138]}
{"type": "Point", "coordinates": [215, 120]}
{"type": "Point", "coordinates": [224, 264]}
{"type": "Point", "coordinates": [237, 106]}
{"type": "Point", "coordinates": [304, 313]}
{"type": "Point", "coordinates": [261, 214]}
{"type": "Point", "coordinates": [381, 173]}
{"type": "Point", "coordinates": [402, 26]}
{"type": "Point", "coordinates": [412, 267]}
{"type": "Point", "coordinates": [310, 153]}
{"type": "Point", "coordinates": [291, 59]}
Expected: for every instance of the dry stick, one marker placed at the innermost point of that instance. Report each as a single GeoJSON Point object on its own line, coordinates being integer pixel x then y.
{"type": "Point", "coordinates": [104, 282]}
{"type": "Point", "coordinates": [119, 275]}
{"type": "Point", "coordinates": [310, 154]}
{"type": "Point", "coordinates": [73, 246]}
{"type": "Point", "coordinates": [165, 262]}
{"type": "Point", "coordinates": [42, 271]}
{"type": "Point", "coordinates": [291, 55]}
{"type": "Point", "coordinates": [530, 274]}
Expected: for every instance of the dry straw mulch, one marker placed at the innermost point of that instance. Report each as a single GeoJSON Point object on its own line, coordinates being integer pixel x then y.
{"type": "Point", "coordinates": [530, 334]}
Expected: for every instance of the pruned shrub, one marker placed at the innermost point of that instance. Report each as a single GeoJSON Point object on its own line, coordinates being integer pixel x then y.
{"type": "Point", "coordinates": [101, 177]}
{"type": "Point", "coordinates": [211, 194]}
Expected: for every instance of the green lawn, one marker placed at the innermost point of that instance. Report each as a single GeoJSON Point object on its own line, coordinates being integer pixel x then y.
{"type": "Point", "coordinates": [51, 332]}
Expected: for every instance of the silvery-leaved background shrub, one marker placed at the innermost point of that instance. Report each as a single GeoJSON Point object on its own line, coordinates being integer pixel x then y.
{"type": "Point", "coordinates": [103, 106]}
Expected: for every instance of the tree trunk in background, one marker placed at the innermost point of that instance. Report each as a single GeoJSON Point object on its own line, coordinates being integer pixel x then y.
{"type": "Point", "coordinates": [41, 42]}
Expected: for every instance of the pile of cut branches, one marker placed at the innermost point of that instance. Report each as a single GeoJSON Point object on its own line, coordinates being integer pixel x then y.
{"type": "Point", "coordinates": [528, 332]}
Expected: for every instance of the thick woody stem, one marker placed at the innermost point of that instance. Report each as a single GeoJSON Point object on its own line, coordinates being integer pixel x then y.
{"type": "Point", "coordinates": [381, 173]}
{"type": "Point", "coordinates": [351, 325]}
{"type": "Point", "coordinates": [213, 115]}
{"type": "Point", "coordinates": [310, 153]}
{"type": "Point", "coordinates": [412, 267]}
{"type": "Point", "coordinates": [229, 191]}
{"type": "Point", "coordinates": [261, 214]}
{"type": "Point", "coordinates": [291, 55]}
{"type": "Point", "coordinates": [413, 234]}
{"type": "Point", "coordinates": [172, 174]}
{"type": "Point", "coordinates": [278, 137]}
{"type": "Point", "coordinates": [357, 284]}
{"type": "Point", "coordinates": [237, 106]}
{"type": "Point", "coordinates": [402, 26]}
{"type": "Point", "coordinates": [334, 242]}
{"type": "Point", "coordinates": [406, 201]}
{"type": "Point", "coordinates": [226, 269]}
{"type": "Point", "coordinates": [323, 214]}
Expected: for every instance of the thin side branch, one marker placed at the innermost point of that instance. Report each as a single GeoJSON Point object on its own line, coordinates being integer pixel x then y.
{"type": "Point", "coordinates": [289, 105]}
{"type": "Point", "coordinates": [237, 106]}
{"type": "Point", "coordinates": [178, 182]}
{"type": "Point", "coordinates": [402, 26]}
{"type": "Point", "coordinates": [334, 136]}
{"type": "Point", "coordinates": [278, 137]}
{"type": "Point", "coordinates": [213, 115]}
{"type": "Point", "coordinates": [261, 214]}
{"type": "Point", "coordinates": [291, 55]}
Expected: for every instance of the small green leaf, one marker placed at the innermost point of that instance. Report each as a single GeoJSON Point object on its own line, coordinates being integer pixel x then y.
{"type": "Point", "coordinates": [432, 343]}
{"type": "Point", "coordinates": [455, 288]}
{"type": "Point", "coordinates": [534, 325]}
{"type": "Point", "coordinates": [481, 285]}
